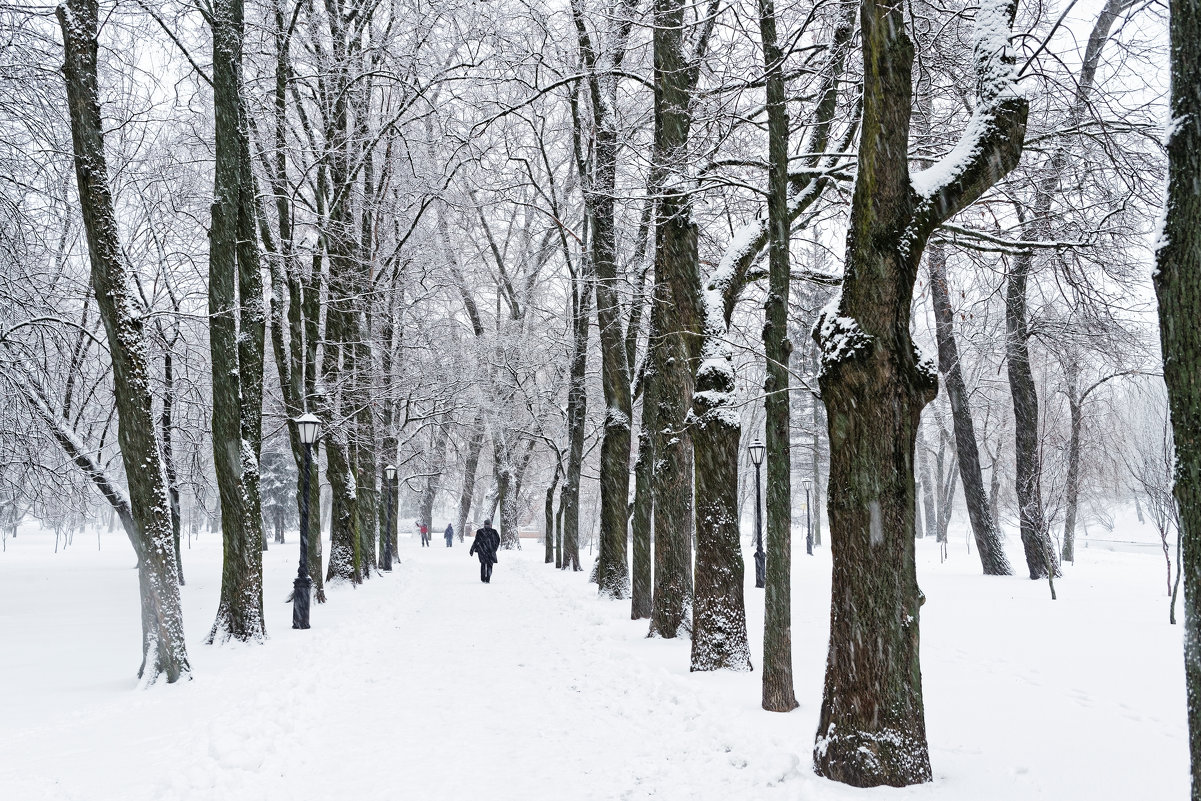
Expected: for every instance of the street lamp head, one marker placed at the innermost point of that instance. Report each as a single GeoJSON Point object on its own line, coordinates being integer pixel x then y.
{"type": "Point", "coordinates": [390, 472]}
{"type": "Point", "coordinates": [308, 426]}
{"type": "Point", "coordinates": [756, 449]}
{"type": "Point", "coordinates": [807, 484]}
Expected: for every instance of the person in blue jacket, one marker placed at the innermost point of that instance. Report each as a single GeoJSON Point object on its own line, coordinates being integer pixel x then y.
{"type": "Point", "coordinates": [449, 534]}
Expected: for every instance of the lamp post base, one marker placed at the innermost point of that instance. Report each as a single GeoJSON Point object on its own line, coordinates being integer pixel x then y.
{"type": "Point", "coordinates": [760, 569]}
{"type": "Point", "coordinates": [301, 590]}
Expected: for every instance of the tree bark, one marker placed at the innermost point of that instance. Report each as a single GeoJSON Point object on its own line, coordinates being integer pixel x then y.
{"type": "Point", "coordinates": [872, 729]}
{"type": "Point", "coordinates": [1072, 489]}
{"type": "Point", "coordinates": [984, 527]}
{"type": "Point", "coordinates": [577, 411]}
{"type": "Point", "coordinates": [644, 500]}
{"type": "Point", "coordinates": [236, 331]}
{"type": "Point", "coordinates": [430, 493]}
{"type": "Point", "coordinates": [1041, 559]}
{"type": "Point", "coordinates": [600, 192]}
{"type": "Point", "coordinates": [778, 692]}
{"type": "Point", "coordinates": [164, 649]}
{"type": "Point", "coordinates": [1036, 540]}
{"type": "Point", "coordinates": [474, 446]}
{"type": "Point", "coordinates": [1178, 288]}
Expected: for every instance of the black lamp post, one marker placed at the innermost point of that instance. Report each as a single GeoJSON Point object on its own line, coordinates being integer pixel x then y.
{"type": "Point", "coordinates": [756, 450]}
{"type": "Point", "coordinates": [808, 522]}
{"type": "Point", "coordinates": [307, 426]}
{"type": "Point", "coordinates": [389, 476]}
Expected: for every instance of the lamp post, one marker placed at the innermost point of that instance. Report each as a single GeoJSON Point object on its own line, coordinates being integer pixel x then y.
{"type": "Point", "coordinates": [808, 522]}
{"type": "Point", "coordinates": [756, 450]}
{"type": "Point", "coordinates": [389, 476]}
{"type": "Point", "coordinates": [307, 426]}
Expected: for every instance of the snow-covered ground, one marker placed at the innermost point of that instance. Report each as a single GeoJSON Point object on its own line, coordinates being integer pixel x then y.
{"type": "Point", "coordinates": [427, 684]}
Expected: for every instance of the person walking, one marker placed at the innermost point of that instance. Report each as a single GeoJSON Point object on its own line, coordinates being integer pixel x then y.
{"type": "Point", "coordinates": [449, 534]}
{"type": "Point", "coordinates": [425, 536]}
{"type": "Point", "coordinates": [486, 542]}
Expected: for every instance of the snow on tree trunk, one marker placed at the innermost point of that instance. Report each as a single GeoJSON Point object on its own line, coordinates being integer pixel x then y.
{"type": "Point", "coordinates": [871, 729]}
{"type": "Point", "coordinates": [1178, 288]}
{"type": "Point", "coordinates": [164, 649]}
{"type": "Point", "coordinates": [236, 332]}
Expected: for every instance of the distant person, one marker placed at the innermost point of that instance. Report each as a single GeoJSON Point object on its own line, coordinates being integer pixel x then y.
{"type": "Point", "coordinates": [449, 534]}
{"type": "Point", "coordinates": [487, 540]}
{"type": "Point", "coordinates": [425, 536]}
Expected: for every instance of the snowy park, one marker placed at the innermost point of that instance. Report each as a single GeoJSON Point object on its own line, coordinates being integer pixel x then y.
{"type": "Point", "coordinates": [600, 399]}
{"type": "Point", "coordinates": [427, 684]}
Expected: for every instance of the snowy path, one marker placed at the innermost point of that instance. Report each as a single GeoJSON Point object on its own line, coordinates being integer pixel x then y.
{"type": "Point", "coordinates": [427, 684]}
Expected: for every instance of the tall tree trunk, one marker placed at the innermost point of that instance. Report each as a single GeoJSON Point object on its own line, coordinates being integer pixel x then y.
{"type": "Point", "coordinates": [1041, 558]}
{"type": "Point", "coordinates": [927, 481]}
{"type": "Point", "coordinates": [236, 331]}
{"type": "Point", "coordinates": [871, 729]}
{"type": "Point", "coordinates": [778, 692]}
{"type": "Point", "coordinates": [1178, 287]}
{"type": "Point", "coordinates": [677, 276]}
{"type": "Point", "coordinates": [984, 526]}
{"type": "Point", "coordinates": [1072, 490]}
{"type": "Point", "coordinates": [1036, 540]}
{"type": "Point", "coordinates": [548, 529]}
{"type": "Point", "coordinates": [428, 495]}
{"type": "Point", "coordinates": [600, 193]}
{"type": "Point", "coordinates": [164, 649]}
{"type": "Point", "coordinates": [577, 411]}
{"type": "Point", "coordinates": [475, 445]}
{"type": "Point", "coordinates": [613, 578]}
{"type": "Point", "coordinates": [819, 425]}
{"type": "Point", "coordinates": [644, 500]}
{"type": "Point", "coordinates": [167, 422]}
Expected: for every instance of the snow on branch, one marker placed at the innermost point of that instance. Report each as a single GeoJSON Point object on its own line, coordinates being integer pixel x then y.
{"type": "Point", "coordinates": [992, 142]}
{"type": "Point", "coordinates": [77, 451]}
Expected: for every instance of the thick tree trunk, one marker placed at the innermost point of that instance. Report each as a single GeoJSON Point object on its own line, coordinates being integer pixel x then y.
{"type": "Point", "coordinates": [600, 194]}
{"type": "Point", "coordinates": [1178, 287]}
{"type": "Point", "coordinates": [984, 526]}
{"type": "Point", "coordinates": [368, 469]}
{"type": "Point", "coordinates": [164, 649]}
{"type": "Point", "coordinates": [677, 279]}
{"type": "Point", "coordinates": [236, 329]}
{"type": "Point", "coordinates": [719, 639]}
{"type": "Point", "coordinates": [613, 578]}
{"type": "Point", "coordinates": [872, 728]}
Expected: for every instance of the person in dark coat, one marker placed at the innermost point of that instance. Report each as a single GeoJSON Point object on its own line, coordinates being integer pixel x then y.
{"type": "Point", "coordinates": [485, 545]}
{"type": "Point", "coordinates": [449, 534]}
